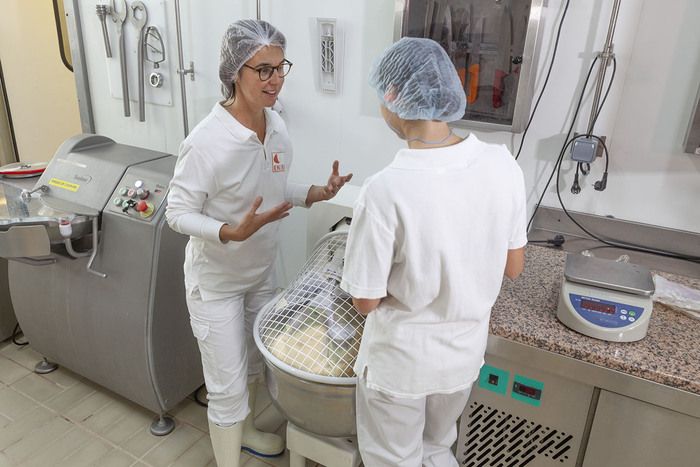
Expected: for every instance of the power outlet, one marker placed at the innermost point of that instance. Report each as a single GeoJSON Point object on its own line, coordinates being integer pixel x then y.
{"type": "Point", "coordinates": [587, 149]}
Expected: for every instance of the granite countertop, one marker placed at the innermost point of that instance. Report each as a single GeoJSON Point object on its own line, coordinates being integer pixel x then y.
{"type": "Point", "coordinates": [525, 312]}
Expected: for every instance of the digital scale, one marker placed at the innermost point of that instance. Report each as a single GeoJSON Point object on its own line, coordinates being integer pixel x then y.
{"type": "Point", "coordinates": [605, 299]}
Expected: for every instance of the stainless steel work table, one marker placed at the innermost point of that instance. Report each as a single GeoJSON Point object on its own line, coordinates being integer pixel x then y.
{"type": "Point", "coordinates": [525, 313]}
{"type": "Point", "coordinates": [624, 404]}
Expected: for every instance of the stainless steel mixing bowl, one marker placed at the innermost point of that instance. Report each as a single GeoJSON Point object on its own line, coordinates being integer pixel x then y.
{"type": "Point", "coordinates": [309, 336]}
{"type": "Point", "coordinates": [324, 409]}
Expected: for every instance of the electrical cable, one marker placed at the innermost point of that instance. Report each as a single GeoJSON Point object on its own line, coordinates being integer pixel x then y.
{"type": "Point", "coordinates": [586, 167]}
{"type": "Point", "coordinates": [576, 187]}
{"type": "Point", "coordinates": [611, 242]}
{"type": "Point", "coordinates": [605, 96]}
{"type": "Point", "coordinates": [568, 134]}
{"type": "Point", "coordinates": [546, 80]}
{"type": "Point", "coordinates": [602, 182]}
{"type": "Point", "coordinates": [15, 335]}
{"type": "Point", "coordinates": [599, 185]}
{"type": "Point", "coordinates": [557, 241]}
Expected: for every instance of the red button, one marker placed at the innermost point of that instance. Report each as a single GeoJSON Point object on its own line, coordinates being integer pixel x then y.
{"type": "Point", "coordinates": [141, 206]}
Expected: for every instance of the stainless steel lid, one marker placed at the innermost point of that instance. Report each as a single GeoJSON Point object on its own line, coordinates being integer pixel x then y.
{"type": "Point", "coordinates": [608, 274]}
{"type": "Point", "coordinates": [17, 210]}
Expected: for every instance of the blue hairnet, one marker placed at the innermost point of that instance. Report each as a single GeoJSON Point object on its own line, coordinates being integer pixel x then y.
{"type": "Point", "coordinates": [416, 80]}
{"type": "Point", "coordinates": [242, 40]}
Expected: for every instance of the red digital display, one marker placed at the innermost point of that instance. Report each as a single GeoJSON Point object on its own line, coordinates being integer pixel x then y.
{"type": "Point", "coordinates": [597, 306]}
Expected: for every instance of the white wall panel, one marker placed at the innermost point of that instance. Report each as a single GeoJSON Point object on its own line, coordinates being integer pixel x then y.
{"type": "Point", "coordinates": [657, 45]}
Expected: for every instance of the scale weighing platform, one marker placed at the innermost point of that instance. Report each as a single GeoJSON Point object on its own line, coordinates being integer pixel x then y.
{"type": "Point", "coordinates": [606, 299]}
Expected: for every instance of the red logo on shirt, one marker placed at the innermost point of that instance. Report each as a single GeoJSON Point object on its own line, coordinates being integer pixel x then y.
{"type": "Point", "coordinates": [277, 165]}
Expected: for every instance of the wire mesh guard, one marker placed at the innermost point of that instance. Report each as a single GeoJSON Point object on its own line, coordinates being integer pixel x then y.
{"type": "Point", "coordinates": [314, 327]}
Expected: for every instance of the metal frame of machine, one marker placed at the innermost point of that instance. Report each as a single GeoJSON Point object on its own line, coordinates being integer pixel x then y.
{"type": "Point", "coordinates": [114, 313]}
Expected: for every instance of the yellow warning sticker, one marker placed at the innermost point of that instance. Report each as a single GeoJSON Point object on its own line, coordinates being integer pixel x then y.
{"type": "Point", "coordinates": [64, 184]}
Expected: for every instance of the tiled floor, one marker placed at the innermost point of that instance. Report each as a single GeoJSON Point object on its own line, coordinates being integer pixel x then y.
{"type": "Point", "coordinates": [61, 419]}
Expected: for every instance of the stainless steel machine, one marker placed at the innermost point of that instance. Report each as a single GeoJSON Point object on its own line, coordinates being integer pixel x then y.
{"type": "Point", "coordinates": [8, 321]}
{"type": "Point", "coordinates": [7, 314]}
{"type": "Point", "coordinates": [309, 336]}
{"type": "Point", "coordinates": [96, 275]}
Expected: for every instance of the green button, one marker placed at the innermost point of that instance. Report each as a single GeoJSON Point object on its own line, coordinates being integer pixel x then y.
{"type": "Point", "coordinates": [117, 201]}
{"type": "Point", "coordinates": [632, 313]}
{"type": "Point", "coordinates": [123, 191]}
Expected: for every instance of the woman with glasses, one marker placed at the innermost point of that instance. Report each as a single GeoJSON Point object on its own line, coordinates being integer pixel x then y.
{"type": "Point", "coordinates": [228, 192]}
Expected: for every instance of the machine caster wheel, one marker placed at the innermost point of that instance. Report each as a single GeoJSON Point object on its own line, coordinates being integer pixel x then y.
{"type": "Point", "coordinates": [164, 425]}
{"type": "Point", "coordinates": [44, 367]}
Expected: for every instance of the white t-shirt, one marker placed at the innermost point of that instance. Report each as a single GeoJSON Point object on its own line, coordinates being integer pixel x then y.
{"type": "Point", "coordinates": [431, 233]}
{"type": "Point", "coordinates": [222, 167]}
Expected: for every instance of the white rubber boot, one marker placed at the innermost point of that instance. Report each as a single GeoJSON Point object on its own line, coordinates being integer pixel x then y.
{"type": "Point", "coordinates": [255, 441]}
{"type": "Point", "coordinates": [226, 443]}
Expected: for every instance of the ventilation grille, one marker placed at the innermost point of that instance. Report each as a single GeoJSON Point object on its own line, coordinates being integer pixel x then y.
{"type": "Point", "coordinates": [495, 438]}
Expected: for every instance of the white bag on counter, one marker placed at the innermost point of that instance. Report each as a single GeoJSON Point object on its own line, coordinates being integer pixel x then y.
{"type": "Point", "coordinates": [679, 297]}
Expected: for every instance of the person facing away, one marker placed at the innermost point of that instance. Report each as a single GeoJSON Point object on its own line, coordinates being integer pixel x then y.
{"type": "Point", "coordinates": [432, 235]}
{"type": "Point", "coordinates": [228, 192]}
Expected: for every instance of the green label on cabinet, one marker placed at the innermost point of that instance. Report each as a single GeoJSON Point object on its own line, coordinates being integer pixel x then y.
{"type": "Point", "coordinates": [494, 379]}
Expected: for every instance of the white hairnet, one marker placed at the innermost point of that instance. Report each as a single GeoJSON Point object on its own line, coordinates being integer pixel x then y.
{"type": "Point", "coordinates": [416, 80]}
{"type": "Point", "coordinates": [242, 40]}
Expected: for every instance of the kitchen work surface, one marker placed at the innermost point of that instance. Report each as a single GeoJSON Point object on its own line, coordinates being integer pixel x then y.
{"type": "Point", "coordinates": [525, 312]}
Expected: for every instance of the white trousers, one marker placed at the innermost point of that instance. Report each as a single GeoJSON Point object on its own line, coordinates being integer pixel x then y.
{"type": "Point", "coordinates": [398, 432]}
{"type": "Point", "coordinates": [224, 331]}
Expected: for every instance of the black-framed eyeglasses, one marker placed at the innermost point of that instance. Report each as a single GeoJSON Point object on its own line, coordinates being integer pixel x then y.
{"type": "Point", "coordinates": [265, 71]}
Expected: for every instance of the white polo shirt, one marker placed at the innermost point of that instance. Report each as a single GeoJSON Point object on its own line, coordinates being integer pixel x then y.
{"type": "Point", "coordinates": [222, 167]}
{"type": "Point", "coordinates": [431, 233]}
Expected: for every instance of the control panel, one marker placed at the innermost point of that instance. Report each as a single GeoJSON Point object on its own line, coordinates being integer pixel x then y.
{"type": "Point", "coordinates": [523, 389]}
{"type": "Point", "coordinates": [605, 313]}
{"type": "Point", "coordinates": [138, 197]}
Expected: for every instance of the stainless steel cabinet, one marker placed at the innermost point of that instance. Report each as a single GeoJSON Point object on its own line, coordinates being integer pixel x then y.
{"type": "Point", "coordinates": [520, 415]}
{"type": "Point", "coordinates": [492, 44]}
{"type": "Point", "coordinates": [535, 408]}
{"type": "Point", "coordinates": [627, 432]}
